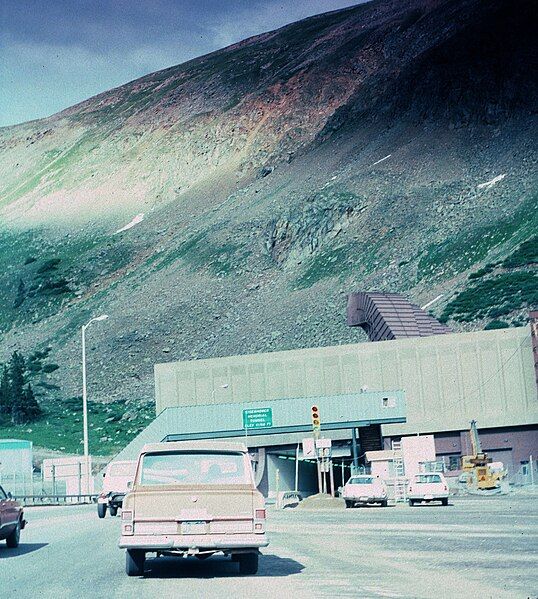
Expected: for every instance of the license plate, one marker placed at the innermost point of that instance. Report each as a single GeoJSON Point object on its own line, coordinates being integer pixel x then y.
{"type": "Point", "coordinates": [193, 528]}
{"type": "Point", "coordinates": [428, 496]}
{"type": "Point", "coordinates": [363, 498]}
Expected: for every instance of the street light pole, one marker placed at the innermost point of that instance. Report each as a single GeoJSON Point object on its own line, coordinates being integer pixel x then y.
{"type": "Point", "coordinates": [85, 405]}
{"type": "Point", "coordinates": [85, 399]}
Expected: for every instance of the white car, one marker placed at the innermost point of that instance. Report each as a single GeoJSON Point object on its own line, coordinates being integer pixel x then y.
{"type": "Point", "coordinates": [428, 487]}
{"type": "Point", "coordinates": [364, 489]}
{"type": "Point", "coordinates": [116, 481]}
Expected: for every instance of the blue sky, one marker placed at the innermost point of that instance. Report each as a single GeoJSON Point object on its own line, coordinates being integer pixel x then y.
{"type": "Point", "coordinates": [55, 53]}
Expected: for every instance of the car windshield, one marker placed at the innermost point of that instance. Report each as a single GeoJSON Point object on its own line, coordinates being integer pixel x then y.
{"type": "Point", "coordinates": [195, 468]}
{"type": "Point", "coordinates": [122, 470]}
{"type": "Point", "coordinates": [365, 480]}
{"type": "Point", "coordinates": [427, 478]}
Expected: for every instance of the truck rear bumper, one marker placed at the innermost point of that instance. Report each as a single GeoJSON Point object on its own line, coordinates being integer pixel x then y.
{"type": "Point", "coordinates": [365, 499]}
{"type": "Point", "coordinates": [186, 542]}
{"type": "Point", "coordinates": [429, 497]}
{"type": "Point", "coordinates": [112, 499]}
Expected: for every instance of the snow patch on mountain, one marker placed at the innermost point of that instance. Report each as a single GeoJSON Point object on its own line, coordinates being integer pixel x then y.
{"type": "Point", "coordinates": [137, 219]}
{"type": "Point", "coordinates": [491, 182]}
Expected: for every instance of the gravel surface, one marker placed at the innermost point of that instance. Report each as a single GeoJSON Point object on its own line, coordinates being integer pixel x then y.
{"type": "Point", "coordinates": [473, 548]}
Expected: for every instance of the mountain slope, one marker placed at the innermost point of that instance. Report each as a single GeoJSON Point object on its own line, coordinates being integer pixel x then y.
{"type": "Point", "coordinates": [388, 146]}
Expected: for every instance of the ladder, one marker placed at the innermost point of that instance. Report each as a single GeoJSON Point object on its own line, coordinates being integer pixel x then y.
{"type": "Point", "coordinates": [400, 484]}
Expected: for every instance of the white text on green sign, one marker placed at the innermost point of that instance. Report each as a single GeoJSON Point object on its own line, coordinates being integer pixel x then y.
{"type": "Point", "coordinates": [258, 418]}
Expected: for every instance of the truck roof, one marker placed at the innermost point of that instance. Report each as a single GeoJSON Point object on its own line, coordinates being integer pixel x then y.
{"type": "Point", "coordinates": [202, 445]}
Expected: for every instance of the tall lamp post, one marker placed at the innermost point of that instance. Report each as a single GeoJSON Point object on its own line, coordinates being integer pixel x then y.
{"type": "Point", "coordinates": [85, 398]}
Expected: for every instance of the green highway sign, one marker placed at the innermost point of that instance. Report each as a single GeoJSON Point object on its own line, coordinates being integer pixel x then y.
{"type": "Point", "coordinates": [258, 418]}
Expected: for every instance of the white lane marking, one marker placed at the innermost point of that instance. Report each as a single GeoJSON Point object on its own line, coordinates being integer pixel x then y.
{"type": "Point", "coordinates": [491, 182]}
{"type": "Point", "coordinates": [382, 159]}
{"type": "Point", "coordinates": [137, 219]}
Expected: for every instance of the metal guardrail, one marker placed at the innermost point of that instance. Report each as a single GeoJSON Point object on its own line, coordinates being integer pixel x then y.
{"type": "Point", "coordinates": [28, 500]}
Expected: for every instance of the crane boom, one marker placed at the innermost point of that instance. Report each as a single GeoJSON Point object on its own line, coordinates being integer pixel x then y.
{"type": "Point", "coordinates": [475, 440]}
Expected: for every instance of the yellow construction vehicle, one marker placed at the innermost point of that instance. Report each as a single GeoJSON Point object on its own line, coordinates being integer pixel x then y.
{"type": "Point", "coordinates": [478, 473]}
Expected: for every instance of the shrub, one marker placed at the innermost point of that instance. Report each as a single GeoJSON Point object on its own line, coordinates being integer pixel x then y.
{"type": "Point", "coordinates": [481, 272]}
{"type": "Point", "coordinates": [526, 253]}
{"type": "Point", "coordinates": [48, 386]}
{"type": "Point", "coordinates": [49, 265]}
{"type": "Point", "coordinates": [21, 294]}
{"type": "Point", "coordinates": [501, 311]}
{"type": "Point", "coordinates": [496, 324]}
{"type": "Point", "coordinates": [511, 291]}
{"type": "Point", "coordinates": [55, 287]}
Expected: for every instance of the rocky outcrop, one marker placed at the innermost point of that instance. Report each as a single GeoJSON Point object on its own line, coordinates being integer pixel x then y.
{"type": "Point", "coordinates": [302, 232]}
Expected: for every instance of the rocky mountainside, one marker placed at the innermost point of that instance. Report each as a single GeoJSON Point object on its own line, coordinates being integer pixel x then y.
{"type": "Point", "coordinates": [227, 205]}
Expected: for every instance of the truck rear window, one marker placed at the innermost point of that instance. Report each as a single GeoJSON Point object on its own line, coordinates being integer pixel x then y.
{"type": "Point", "coordinates": [122, 470]}
{"type": "Point", "coordinates": [195, 468]}
{"type": "Point", "coordinates": [361, 481]}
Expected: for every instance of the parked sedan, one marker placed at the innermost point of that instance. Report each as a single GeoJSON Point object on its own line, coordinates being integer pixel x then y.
{"type": "Point", "coordinates": [428, 487]}
{"type": "Point", "coordinates": [11, 519]}
{"type": "Point", "coordinates": [364, 489]}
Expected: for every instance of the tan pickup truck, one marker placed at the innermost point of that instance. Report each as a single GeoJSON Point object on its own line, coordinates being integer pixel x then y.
{"type": "Point", "coordinates": [116, 481]}
{"type": "Point", "coordinates": [193, 498]}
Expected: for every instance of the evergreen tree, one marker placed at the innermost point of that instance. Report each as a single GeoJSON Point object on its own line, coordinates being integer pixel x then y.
{"type": "Point", "coordinates": [17, 369]}
{"type": "Point", "coordinates": [25, 409]}
{"type": "Point", "coordinates": [5, 392]}
{"type": "Point", "coordinates": [17, 399]}
{"type": "Point", "coordinates": [33, 409]}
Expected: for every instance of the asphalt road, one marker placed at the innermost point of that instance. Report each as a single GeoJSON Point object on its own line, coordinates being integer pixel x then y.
{"type": "Point", "coordinates": [473, 548]}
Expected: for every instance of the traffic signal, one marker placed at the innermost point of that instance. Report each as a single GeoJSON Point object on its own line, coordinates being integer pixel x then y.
{"type": "Point", "coordinates": [316, 421]}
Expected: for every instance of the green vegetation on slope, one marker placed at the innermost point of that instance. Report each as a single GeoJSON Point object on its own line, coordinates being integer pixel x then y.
{"type": "Point", "coordinates": [60, 427]}
{"type": "Point", "coordinates": [511, 291]}
{"type": "Point", "coordinates": [503, 292]}
{"type": "Point", "coordinates": [461, 251]}
{"type": "Point", "coordinates": [526, 254]}
{"type": "Point", "coordinates": [199, 253]}
{"type": "Point", "coordinates": [39, 274]}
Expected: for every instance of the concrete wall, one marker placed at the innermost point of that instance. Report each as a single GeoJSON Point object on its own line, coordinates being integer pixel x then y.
{"type": "Point", "coordinates": [286, 471]}
{"type": "Point", "coordinates": [448, 379]}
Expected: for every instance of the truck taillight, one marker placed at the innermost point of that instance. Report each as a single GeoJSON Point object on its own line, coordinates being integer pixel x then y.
{"type": "Point", "coordinates": [127, 523]}
{"type": "Point", "coordinates": [259, 521]}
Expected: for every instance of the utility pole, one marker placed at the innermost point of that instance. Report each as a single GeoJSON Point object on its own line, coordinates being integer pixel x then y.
{"type": "Point", "coordinates": [297, 468]}
{"type": "Point", "coordinates": [354, 450]}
